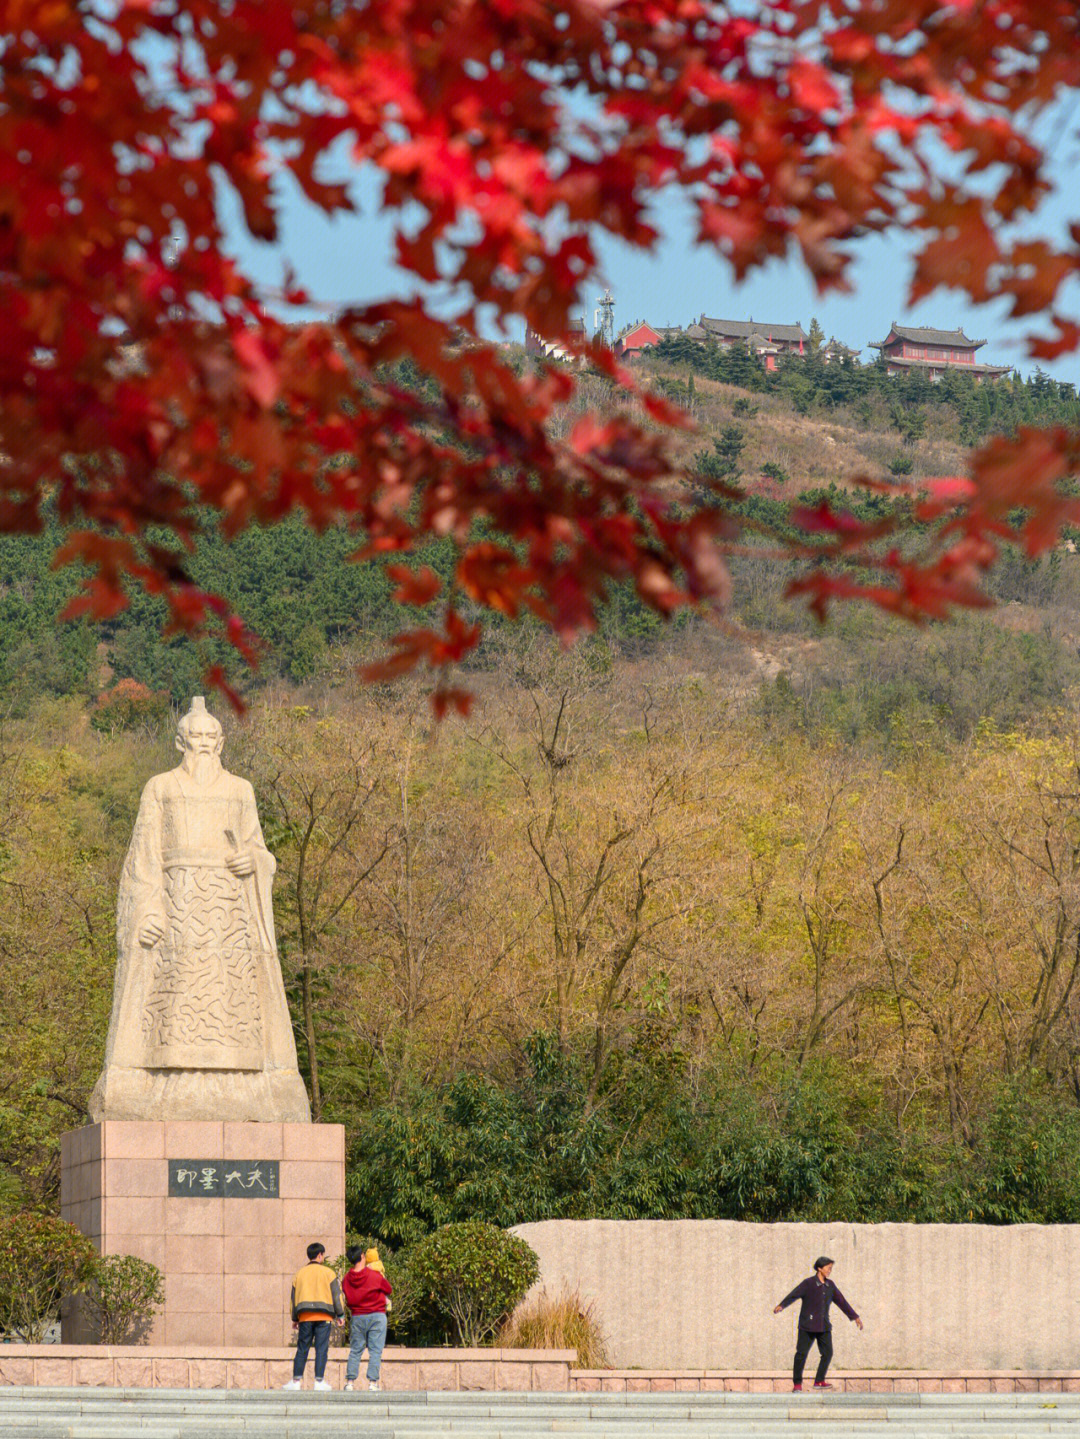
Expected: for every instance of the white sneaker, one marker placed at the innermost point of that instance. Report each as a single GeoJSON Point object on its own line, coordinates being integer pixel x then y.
{"type": "Point", "coordinates": [373, 1386]}
{"type": "Point", "coordinates": [292, 1384]}
{"type": "Point", "coordinates": [322, 1385]}
{"type": "Point", "coordinates": [349, 1386]}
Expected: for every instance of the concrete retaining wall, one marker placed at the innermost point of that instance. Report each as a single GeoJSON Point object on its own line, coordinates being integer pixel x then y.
{"type": "Point", "coordinates": [699, 1294]}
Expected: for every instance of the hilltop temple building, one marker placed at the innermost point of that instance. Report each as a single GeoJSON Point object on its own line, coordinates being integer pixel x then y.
{"type": "Point", "coordinates": [934, 352]}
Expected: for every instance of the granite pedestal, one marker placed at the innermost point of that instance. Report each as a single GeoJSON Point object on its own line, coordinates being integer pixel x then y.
{"type": "Point", "coordinates": [228, 1255]}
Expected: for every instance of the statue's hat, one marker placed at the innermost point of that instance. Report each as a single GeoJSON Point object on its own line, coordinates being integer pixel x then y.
{"type": "Point", "coordinates": [198, 710]}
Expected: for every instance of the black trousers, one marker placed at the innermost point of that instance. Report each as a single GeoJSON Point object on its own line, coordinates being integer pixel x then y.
{"type": "Point", "coordinates": [802, 1349]}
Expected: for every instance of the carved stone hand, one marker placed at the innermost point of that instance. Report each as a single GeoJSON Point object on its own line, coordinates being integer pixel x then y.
{"type": "Point", "coordinates": [152, 931]}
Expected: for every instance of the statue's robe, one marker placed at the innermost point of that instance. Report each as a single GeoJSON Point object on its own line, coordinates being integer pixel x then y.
{"type": "Point", "coordinates": [200, 1027]}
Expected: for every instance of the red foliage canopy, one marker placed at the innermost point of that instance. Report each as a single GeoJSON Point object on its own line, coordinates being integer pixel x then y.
{"type": "Point", "coordinates": [145, 381]}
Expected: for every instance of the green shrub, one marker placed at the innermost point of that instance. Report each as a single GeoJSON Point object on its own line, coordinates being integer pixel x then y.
{"type": "Point", "coordinates": [42, 1261]}
{"type": "Point", "coordinates": [775, 472]}
{"type": "Point", "coordinates": [468, 1278]}
{"type": "Point", "coordinates": [122, 1297]}
{"type": "Point", "coordinates": [1023, 1161]}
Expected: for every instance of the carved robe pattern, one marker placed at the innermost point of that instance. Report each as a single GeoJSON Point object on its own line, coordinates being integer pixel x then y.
{"type": "Point", "coordinates": [203, 1000]}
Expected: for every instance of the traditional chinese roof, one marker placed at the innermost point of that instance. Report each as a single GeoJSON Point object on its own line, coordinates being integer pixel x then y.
{"type": "Point", "coordinates": [974, 368]}
{"type": "Point", "coordinates": [676, 331]}
{"type": "Point", "coordinates": [672, 332]}
{"type": "Point", "coordinates": [743, 329]}
{"type": "Point", "coordinates": [637, 327]}
{"type": "Point", "coordinates": [954, 339]}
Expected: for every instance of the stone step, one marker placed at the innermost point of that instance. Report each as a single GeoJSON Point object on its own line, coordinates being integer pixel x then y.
{"type": "Point", "coordinates": [631, 1424]}
{"type": "Point", "coordinates": [599, 1428]}
{"type": "Point", "coordinates": [567, 1428]}
{"type": "Point", "coordinates": [105, 1426]}
{"type": "Point", "coordinates": [87, 1397]}
{"type": "Point", "coordinates": [328, 1405]}
{"type": "Point", "coordinates": [637, 1421]}
{"type": "Point", "coordinates": [365, 1403]}
{"type": "Point", "coordinates": [510, 1402]}
{"type": "Point", "coordinates": [100, 1428]}
{"type": "Point", "coordinates": [239, 1414]}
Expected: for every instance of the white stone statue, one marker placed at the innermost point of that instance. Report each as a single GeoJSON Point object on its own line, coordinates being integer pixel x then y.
{"type": "Point", "coordinates": [200, 1027]}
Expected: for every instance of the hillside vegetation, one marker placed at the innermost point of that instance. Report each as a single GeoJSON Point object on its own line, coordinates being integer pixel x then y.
{"type": "Point", "coordinates": [775, 926]}
{"type": "Point", "coordinates": [800, 431]}
{"type": "Point", "coordinates": [641, 938]}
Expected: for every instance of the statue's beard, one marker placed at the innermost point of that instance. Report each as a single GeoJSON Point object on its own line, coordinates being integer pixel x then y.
{"type": "Point", "coordinates": [203, 768]}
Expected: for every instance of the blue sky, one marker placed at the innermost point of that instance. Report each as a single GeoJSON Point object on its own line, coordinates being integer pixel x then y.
{"type": "Point", "coordinates": [351, 259]}
{"type": "Point", "coordinates": [682, 280]}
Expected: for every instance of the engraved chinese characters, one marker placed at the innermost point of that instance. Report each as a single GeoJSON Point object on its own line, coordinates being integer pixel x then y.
{"type": "Point", "coordinates": [200, 1027]}
{"type": "Point", "coordinates": [229, 1178]}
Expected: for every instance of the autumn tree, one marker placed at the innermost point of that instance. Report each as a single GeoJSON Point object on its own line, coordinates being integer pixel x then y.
{"type": "Point", "coordinates": [151, 389]}
{"type": "Point", "coordinates": [825, 904]}
{"type": "Point", "coordinates": [1028, 820]}
{"type": "Point", "coordinates": [609, 854]}
{"type": "Point", "coordinates": [434, 929]}
{"type": "Point", "coordinates": [316, 778]}
{"type": "Point", "coordinates": [930, 974]}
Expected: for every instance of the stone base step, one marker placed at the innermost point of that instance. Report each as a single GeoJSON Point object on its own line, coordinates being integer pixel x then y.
{"type": "Point", "coordinates": [601, 1427]}
{"type": "Point", "coordinates": [243, 1414]}
{"type": "Point", "coordinates": [586, 1429]}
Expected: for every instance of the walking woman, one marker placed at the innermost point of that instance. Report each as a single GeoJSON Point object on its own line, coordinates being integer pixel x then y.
{"type": "Point", "coordinates": [817, 1294]}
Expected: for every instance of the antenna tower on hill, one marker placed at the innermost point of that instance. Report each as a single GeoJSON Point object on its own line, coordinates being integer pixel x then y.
{"type": "Point", "coordinates": [604, 319]}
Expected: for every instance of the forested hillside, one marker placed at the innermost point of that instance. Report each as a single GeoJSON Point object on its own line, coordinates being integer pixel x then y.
{"type": "Point", "coordinates": [781, 923]}
{"type": "Point", "coordinates": [910, 405]}
{"type": "Point", "coordinates": [801, 430]}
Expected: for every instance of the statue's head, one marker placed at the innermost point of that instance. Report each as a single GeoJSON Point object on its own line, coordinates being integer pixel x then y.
{"type": "Point", "coordinates": [199, 739]}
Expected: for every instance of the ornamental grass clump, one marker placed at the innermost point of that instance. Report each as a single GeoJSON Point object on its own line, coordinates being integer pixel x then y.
{"type": "Point", "coordinates": [468, 1278]}
{"type": "Point", "coordinates": [42, 1261]}
{"type": "Point", "coordinates": [557, 1321]}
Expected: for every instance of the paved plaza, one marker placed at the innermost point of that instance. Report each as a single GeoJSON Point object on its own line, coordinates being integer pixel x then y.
{"type": "Point", "coordinates": [222, 1414]}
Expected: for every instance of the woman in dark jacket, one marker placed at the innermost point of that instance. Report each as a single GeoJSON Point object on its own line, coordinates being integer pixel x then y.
{"type": "Point", "coordinates": [817, 1294]}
